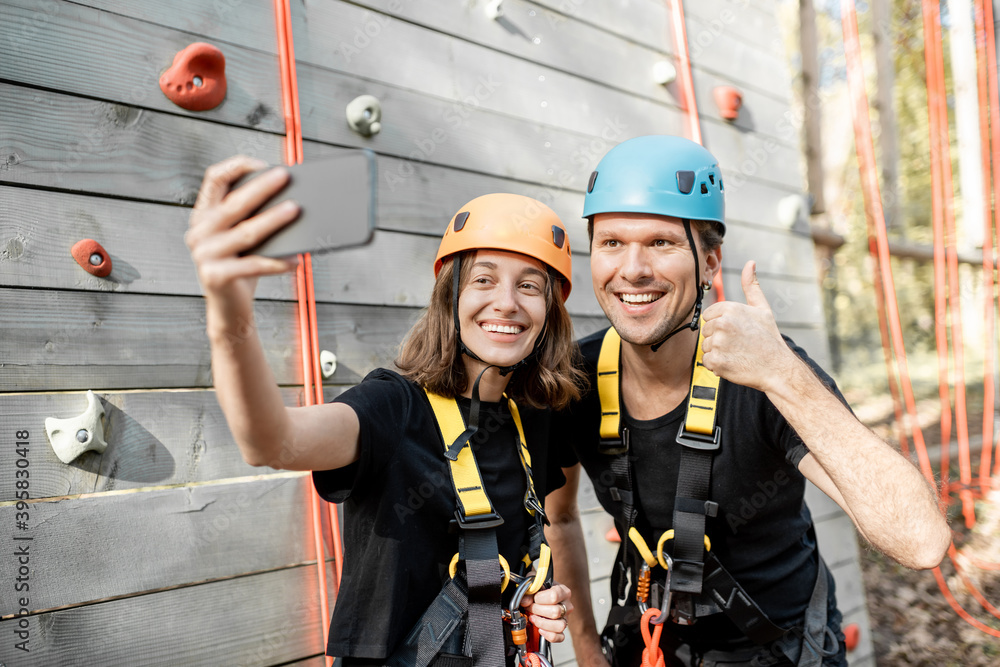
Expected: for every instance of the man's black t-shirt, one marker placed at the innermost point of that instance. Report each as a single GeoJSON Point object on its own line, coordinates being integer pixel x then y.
{"type": "Point", "coordinates": [399, 500]}
{"type": "Point", "coordinates": [763, 533]}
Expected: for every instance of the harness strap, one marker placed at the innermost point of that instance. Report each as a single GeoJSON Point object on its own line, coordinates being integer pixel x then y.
{"type": "Point", "coordinates": [477, 520]}
{"type": "Point", "coordinates": [613, 441]}
{"type": "Point", "coordinates": [436, 626]}
{"type": "Point", "coordinates": [700, 440]}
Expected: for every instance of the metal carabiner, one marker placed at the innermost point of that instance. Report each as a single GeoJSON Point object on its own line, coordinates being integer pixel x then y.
{"type": "Point", "coordinates": [668, 563]}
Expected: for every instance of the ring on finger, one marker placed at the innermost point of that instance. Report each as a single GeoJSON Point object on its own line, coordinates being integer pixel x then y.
{"type": "Point", "coordinates": [563, 610]}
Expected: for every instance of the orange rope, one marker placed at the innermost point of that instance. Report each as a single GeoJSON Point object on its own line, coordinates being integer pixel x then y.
{"type": "Point", "coordinates": [308, 335]}
{"type": "Point", "coordinates": [990, 133]}
{"type": "Point", "coordinates": [689, 101]}
{"type": "Point", "coordinates": [946, 267]}
{"type": "Point", "coordinates": [874, 216]}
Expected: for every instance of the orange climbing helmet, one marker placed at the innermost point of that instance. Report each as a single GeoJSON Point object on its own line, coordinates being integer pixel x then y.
{"type": "Point", "coordinates": [514, 223]}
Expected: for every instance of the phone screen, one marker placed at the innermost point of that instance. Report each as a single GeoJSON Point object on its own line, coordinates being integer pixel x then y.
{"type": "Point", "coordinates": [337, 200]}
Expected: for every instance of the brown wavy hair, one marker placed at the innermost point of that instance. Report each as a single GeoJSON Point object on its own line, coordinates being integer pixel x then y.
{"type": "Point", "coordinates": [429, 355]}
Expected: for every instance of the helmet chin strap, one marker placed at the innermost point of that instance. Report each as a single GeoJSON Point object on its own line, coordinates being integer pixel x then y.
{"type": "Point", "coordinates": [693, 324]}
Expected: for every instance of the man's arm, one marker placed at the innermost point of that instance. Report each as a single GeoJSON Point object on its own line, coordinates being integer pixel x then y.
{"type": "Point", "coordinates": [569, 555]}
{"type": "Point", "coordinates": [888, 499]}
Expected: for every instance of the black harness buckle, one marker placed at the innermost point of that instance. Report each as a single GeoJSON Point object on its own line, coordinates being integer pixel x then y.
{"type": "Point", "coordinates": [479, 521]}
{"type": "Point", "coordinates": [699, 441]}
{"type": "Point", "coordinates": [614, 446]}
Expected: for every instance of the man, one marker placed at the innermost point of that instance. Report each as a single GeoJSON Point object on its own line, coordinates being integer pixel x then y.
{"type": "Point", "coordinates": [719, 503]}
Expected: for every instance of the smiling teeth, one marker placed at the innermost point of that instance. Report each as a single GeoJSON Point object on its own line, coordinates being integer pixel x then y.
{"type": "Point", "coordinates": [639, 298]}
{"type": "Point", "coordinates": [496, 328]}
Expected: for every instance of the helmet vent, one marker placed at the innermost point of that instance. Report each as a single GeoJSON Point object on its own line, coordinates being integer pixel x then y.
{"type": "Point", "coordinates": [685, 181]}
{"type": "Point", "coordinates": [704, 189]}
{"type": "Point", "coordinates": [711, 179]}
{"type": "Point", "coordinates": [590, 185]}
{"type": "Point", "coordinates": [559, 235]}
{"type": "Point", "coordinates": [460, 220]}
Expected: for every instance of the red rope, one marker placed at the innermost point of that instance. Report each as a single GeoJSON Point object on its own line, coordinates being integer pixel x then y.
{"type": "Point", "coordinates": [946, 280]}
{"type": "Point", "coordinates": [874, 216]}
{"type": "Point", "coordinates": [688, 99]}
{"type": "Point", "coordinates": [308, 335]}
{"type": "Point", "coordinates": [990, 133]}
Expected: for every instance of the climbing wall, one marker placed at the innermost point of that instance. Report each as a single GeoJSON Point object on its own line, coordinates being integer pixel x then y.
{"type": "Point", "coordinates": [166, 548]}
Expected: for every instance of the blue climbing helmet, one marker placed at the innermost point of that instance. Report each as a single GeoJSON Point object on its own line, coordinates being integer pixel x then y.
{"type": "Point", "coordinates": [658, 174]}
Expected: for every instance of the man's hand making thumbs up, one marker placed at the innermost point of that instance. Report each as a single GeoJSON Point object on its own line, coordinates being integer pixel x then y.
{"type": "Point", "coordinates": [742, 341]}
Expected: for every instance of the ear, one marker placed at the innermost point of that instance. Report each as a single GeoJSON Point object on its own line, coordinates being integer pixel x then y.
{"type": "Point", "coordinates": [713, 263]}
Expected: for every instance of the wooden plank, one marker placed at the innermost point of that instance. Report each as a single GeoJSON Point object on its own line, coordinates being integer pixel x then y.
{"type": "Point", "coordinates": [111, 545]}
{"type": "Point", "coordinates": [643, 21]}
{"type": "Point", "coordinates": [263, 620]}
{"type": "Point", "coordinates": [396, 269]}
{"type": "Point", "coordinates": [105, 55]}
{"type": "Point", "coordinates": [532, 33]}
{"type": "Point", "coordinates": [545, 89]}
{"type": "Point", "coordinates": [40, 227]}
{"type": "Point", "coordinates": [151, 155]}
{"type": "Point", "coordinates": [161, 157]}
{"type": "Point", "coordinates": [755, 23]}
{"type": "Point", "coordinates": [101, 341]}
{"type": "Point", "coordinates": [155, 438]}
{"type": "Point", "coordinates": [544, 37]}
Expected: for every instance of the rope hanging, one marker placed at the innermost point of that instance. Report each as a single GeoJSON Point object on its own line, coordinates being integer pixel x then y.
{"type": "Point", "coordinates": [689, 100]}
{"type": "Point", "coordinates": [305, 291]}
{"type": "Point", "coordinates": [876, 225]}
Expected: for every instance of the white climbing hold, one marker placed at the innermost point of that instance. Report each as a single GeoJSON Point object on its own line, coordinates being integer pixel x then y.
{"type": "Point", "coordinates": [327, 363]}
{"type": "Point", "coordinates": [664, 72]}
{"type": "Point", "coordinates": [76, 435]}
{"type": "Point", "coordinates": [364, 115]}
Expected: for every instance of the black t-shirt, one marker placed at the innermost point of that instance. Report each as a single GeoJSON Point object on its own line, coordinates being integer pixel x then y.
{"type": "Point", "coordinates": [399, 500]}
{"type": "Point", "coordinates": [763, 532]}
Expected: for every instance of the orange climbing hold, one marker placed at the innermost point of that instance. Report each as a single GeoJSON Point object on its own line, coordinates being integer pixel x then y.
{"type": "Point", "coordinates": [852, 635]}
{"type": "Point", "coordinates": [729, 100]}
{"type": "Point", "coordinates": [196, 80]}
{"type": "Point", "coordinates": [92, 257]}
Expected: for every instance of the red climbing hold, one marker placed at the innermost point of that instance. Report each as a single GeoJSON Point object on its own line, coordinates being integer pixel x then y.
{"type": "Point", "coordinates": [729, 100]}
{"type": "Point", "coordinates": [92, 256]}
{"type": "Point", "coordinates": [196, 81]}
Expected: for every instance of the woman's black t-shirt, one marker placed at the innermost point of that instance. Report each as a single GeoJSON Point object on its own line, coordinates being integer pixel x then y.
{"type": "Point", "coordinates": [399, 501]}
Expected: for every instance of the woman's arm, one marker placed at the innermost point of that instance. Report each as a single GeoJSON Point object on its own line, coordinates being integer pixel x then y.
{"type": "Point", "coordinates": [222, 226]}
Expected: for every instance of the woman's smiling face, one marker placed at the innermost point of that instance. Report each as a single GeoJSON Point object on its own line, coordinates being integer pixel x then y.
{"type": "Point", "coordinates": [502, 307]}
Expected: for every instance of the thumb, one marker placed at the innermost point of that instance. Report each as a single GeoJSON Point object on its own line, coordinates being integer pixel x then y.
{"type": "Point", "coordinates": [751, 288]}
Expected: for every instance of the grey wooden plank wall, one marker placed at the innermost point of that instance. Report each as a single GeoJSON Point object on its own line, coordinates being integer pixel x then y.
{"type": "Point", "coordinates": [172, 540]}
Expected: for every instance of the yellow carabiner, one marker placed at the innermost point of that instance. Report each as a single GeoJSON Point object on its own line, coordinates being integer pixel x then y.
{"type": "Point", "coordinates": [453, 568]}
{"type": "Point", "coordinates": [669, 535]}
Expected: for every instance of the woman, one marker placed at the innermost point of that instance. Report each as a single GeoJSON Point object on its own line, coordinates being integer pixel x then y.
{"type": "Point", "coordinates": [496, 337]}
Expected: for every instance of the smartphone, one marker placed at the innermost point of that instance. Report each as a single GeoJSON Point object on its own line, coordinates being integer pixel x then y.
{"type": "Point", "coordinates": [337, 201]}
